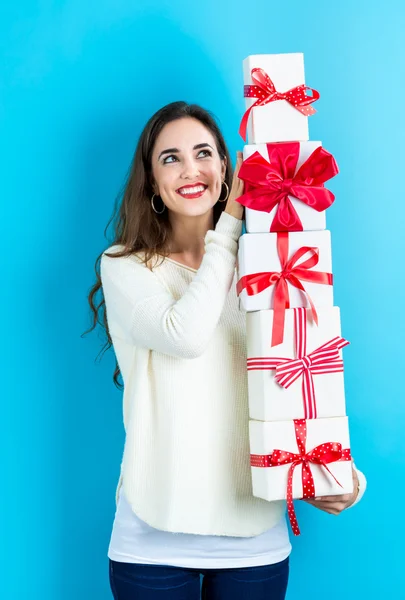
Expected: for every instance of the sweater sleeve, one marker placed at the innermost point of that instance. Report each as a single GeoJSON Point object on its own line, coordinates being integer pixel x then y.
{"type": "Point", "coordinates": [140, 308]}
{"type": "Point", "coordinates": [362, 486]}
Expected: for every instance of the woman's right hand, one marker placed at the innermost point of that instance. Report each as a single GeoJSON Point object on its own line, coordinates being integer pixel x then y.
{"type": "Point", "coordinates": [232, 207]}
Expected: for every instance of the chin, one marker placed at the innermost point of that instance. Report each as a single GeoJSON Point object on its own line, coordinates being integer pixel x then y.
{"type": "Point", "coordinates": [196, 209]}
{"type": "Point", "coordinates": [201, 210]}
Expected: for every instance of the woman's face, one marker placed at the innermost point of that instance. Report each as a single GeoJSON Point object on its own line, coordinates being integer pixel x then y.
{"type": "Point", "coordinates": [187, 169]}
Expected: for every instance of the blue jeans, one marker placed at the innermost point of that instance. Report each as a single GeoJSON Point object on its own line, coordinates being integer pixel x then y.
{"type": "Point", "coordinates": [130, 581]}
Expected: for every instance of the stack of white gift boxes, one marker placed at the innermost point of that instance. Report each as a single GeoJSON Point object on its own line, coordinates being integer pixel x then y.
{"type": "Point", "coordinates": [299, 433]}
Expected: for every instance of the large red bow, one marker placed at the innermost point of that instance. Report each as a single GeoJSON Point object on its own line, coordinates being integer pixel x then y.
{"type": "Point", "coordinates": [264, 90]}
{"type": "Point", "coordinates": [257, 282]}
{"type": "Point", "coordinates": [325, 359]}
{"type": "Point", "coordinates": [320, 455]}
{"type": "Point", "coordinates": [269, 184]}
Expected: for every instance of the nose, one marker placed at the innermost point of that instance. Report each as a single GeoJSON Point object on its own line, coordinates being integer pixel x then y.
{"type": "Point", "coordinates": [190, 168]}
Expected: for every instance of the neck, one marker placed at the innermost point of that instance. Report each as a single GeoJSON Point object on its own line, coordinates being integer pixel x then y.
{"type": "Point", "coordinates": [188, 234]}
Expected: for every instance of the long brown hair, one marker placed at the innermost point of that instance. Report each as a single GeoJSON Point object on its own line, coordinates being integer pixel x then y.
{"type": "Point", "coordinates": [136, 226]}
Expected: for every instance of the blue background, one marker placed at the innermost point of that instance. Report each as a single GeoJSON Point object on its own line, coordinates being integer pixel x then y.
{"type": "Point", "coordinates": [78, 81]}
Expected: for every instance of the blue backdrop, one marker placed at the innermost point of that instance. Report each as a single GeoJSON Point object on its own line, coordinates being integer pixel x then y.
{"type": "Point", "coordinates": [78, 81]}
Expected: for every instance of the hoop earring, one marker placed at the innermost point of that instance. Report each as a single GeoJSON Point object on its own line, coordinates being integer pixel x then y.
{"type": "Point", "coordinates": [153, 206]}
{"type": "Point", "coordinates": [227, 192]}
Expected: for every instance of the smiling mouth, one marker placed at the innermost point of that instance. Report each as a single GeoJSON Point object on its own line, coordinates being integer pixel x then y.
{"type": "Point", "coordinates": [192, 191]}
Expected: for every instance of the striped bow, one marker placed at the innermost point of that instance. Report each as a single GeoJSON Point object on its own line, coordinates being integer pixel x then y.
{"type": "Point", "coordinates": [322, 360]}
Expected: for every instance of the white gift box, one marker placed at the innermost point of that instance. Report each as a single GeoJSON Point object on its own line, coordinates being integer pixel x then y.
{"type": "Point", "coordinates": [258, 253]}
{"type": "Point", "coordinates": [270, 483]}
{"type": "Point", "coordinates": [276, 121]}
{"type": "Point", "coordinates": [259, 221]}
{"type": "Point", "coordinates": [268, 400]}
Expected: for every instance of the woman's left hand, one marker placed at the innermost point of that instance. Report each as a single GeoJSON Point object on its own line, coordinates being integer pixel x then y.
{"type": "Point", "coordinates": [335, 504]}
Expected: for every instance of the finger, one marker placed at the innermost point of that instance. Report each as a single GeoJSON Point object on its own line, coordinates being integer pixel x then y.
{"type": "Point", "coordinates": [341, 498]}
{"type": "Point", "coordinates": [324, 507]}
{"type": "Point", "coordinates": [330, 511]}
{"type": "Point", "coordinates": [318, 504]}
{"type": "Point", "coordinates": [238, 187]}
{"type": "Point", "coordinates": [332, 505]}
{"type": "Point", "coordinates": [237, 180]}
{"type": "Point", "coordinates": [337, 503]}
{"type": "Point", "coordinates": [333, 509]}
{"type": "Point", "coordinates": [239, 160]}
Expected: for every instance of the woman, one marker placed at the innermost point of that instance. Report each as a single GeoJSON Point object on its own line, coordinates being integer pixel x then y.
{"type": "Point", "coordinates": [184, 499]}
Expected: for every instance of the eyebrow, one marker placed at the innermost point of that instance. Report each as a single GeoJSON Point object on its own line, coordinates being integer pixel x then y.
{"type": "Point", "coordinates": [176, 150]}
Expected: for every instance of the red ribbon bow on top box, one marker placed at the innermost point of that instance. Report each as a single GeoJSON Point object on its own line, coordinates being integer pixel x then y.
{"type": "Point", "coordinates": [264, 90]}
{"type": "Point", "coordinates": [323, 360]}
{"type": "Point", "coordinates": [321, 455]}
{"type": "Point", "coordinates": [269, 184]}
{"type": "Point", "coordinates": [290, 272]}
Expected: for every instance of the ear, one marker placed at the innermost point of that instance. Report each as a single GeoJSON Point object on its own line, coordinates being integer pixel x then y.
{"type": "Point", "coordinates": [223, 168]}
{"type": "Point", "coordinates": [154, 186]}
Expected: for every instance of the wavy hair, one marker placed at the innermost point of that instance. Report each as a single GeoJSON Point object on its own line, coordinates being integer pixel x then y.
{"type": "Point", "coordinates": [136, 226]}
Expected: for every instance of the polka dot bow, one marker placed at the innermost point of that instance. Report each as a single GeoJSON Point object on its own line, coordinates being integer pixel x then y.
{"type": "Point", "coordinates": [320, 455]}
{"type": "Point", "coordinates": [264, 90]}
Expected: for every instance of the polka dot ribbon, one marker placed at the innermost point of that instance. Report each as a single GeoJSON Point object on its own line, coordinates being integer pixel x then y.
{"type": "Point", "coordinates": [270, 184]}
{"type": "Point", "coordinates": [321, 455]}
{"type": "Point", "coordinates": [264, 90]}
{"type": "Point", "coordinates": [322, 360]}
{"type": "Point", "coordinates": [292, 273]}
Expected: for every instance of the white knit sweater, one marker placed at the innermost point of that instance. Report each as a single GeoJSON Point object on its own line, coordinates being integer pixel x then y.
{"type": "Point", "coordinates": [180, 341]}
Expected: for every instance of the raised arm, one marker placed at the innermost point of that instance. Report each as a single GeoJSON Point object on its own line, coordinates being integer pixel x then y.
{"type": "Point", "coordinates": [142, 311]}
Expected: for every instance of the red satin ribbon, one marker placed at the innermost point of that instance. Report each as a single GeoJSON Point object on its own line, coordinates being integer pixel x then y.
{"type": "Point", "coordinates": [264, 90]}
{"type": "Point", "coordinates": [257, 282]}
{"type": "Point", "coordinates": [269, 184]}
{"type": "Point", "coordinates": [320, 455]}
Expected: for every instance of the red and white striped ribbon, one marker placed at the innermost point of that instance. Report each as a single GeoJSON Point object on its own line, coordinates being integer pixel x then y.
{"type": "Point", "coordinates": [322, 360]}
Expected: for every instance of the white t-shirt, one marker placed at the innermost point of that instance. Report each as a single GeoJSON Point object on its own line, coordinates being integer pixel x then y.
{"type": "Point", "coordinates": [134, 541]}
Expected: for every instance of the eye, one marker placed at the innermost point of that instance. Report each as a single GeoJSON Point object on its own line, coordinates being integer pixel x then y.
{"type": "Point", "coordinates": [166, 160]}
{"type": "Point", "coordinates": [207, 152]}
